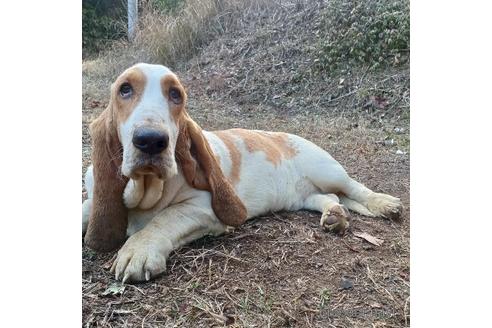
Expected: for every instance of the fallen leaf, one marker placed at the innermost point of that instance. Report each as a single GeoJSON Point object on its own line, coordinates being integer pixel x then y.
{"type": "Point", "coordinates": [378, 102]}
{"type": "Point", "coordinates": [399, 130]}
{"type": "Point", "coordinates": [114, 289]}
{"type": "Point", "coordinates": [389, 142]}
{"type": "Point", "coordinates": [229, 320]}
{"type": "Point", "coordinates": [95, 103]}
{"type": "Point", "coordinates": [107, 265]}
{"type": "Point", "coordinates": [346, 284]}
{"type": "Point", "coordinates": [367, 237]}
{"type": "Point", "coordinates": [405, 276]}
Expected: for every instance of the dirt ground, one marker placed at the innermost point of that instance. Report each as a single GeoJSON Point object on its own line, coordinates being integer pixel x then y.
{"type": "Point", "coordinates": [281, 269]}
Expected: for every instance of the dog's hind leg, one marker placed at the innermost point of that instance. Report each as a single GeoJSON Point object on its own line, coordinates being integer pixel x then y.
{"type": "Point", "coordinates": [335, 217]}
{"type": "Point", "coordinates": [331, 178]}
{"type": "Point", "coordinates": [378, 204]}
{"type": "Point", "coordinates": [355, 206]}
{"type": "Point", "coordinates": [358, 198]}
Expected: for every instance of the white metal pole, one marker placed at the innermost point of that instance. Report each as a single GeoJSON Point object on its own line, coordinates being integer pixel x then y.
{"type": "Point", "coordinates": [132, 18]}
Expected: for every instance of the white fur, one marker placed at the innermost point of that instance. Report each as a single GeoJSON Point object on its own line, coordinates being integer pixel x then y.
{"type": "Point", "coordinates": [152, 107]}
{"type": "Point", "coordinates": [182, 214]}
{"type": "Point", "coordinates": [134, 192]}
{"type": "Point", "coordinates": [153, 192]}
{"type": "Point", "coordinates": [143, 192]}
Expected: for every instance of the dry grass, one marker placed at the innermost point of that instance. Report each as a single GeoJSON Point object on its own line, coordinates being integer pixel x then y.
{"type": "Point", "coordinates": [279, 270]}
{"type": "Point", "coordinates": [174, 38]}
{"type": "Point", "coordinates": [167, 39]}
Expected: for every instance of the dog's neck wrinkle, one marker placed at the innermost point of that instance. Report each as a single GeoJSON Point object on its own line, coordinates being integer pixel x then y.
{"type": "Point", "coordinates": [173, 190]}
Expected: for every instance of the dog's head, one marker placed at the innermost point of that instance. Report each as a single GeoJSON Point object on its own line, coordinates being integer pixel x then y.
{"type": "Point", "coordinates": [145, 130]}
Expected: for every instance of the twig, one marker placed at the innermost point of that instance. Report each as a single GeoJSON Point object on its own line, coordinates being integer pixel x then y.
{"type": "Point", "coordinates": [350, 247]}
{"type": "Point", "coordinates": [141, 291]}
{"type": "Point", "coordinates": [405, 307]}
{"type": "Point", "coordinates": [242, 236]}
{"type": "Point", "coordinates": [342, 96]}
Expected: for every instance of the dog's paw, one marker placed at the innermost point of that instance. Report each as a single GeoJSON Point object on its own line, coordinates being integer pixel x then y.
{"type": "Point", "coordinates": [138, 261]}
{"type": "Point", "coordinates": [385, 206]}
{"type": "Point", "coordinates": [336, 220]}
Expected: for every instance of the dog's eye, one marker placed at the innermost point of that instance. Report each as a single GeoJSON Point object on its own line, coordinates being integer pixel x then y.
{"type": "Point", "coordinates": [126, 90]}
{"type": "Point", "coordinates": [175, 95]}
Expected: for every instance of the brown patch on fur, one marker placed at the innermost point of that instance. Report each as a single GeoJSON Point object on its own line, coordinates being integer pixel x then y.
{"type": "Point", "coordinates": [177, 108]}
{"type": "Point", "coordinates": [202, 171]}
{"type": "Point", "coordinates": [234, 154]}
{"type": "Point", "coordinates": [275, 145]}
{"type": "Point", "coordinates": [124, 107]}
{"type": "Point", "coordinates": [108, 220]}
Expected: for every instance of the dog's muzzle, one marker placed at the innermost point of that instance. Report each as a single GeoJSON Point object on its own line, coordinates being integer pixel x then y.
{"type": "Point", "coordinates": [150, 141]}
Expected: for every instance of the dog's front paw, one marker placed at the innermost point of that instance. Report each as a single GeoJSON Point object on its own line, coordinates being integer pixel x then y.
{"type": "Point", "coordinates": [139, 261]}
{"type": "Point", "coordinates": [336, 220]}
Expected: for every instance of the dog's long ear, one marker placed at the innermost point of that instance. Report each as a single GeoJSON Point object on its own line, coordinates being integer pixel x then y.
{"type": "Point", "coordinates": [109, 216]}
{"type": "Point", "coordinates": [202, 171]}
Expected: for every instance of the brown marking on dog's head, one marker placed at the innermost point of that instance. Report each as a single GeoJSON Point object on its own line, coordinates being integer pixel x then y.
{"type": "Point", "coordinates": [175, 93]}
{"type": "Point", "coordinates": [123, 104]}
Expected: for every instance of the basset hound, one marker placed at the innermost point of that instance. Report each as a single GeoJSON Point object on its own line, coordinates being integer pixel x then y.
{"type": "Point", "coordinates": [160, 180]}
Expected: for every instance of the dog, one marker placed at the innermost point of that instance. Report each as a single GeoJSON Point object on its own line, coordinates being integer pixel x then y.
{"type": "Point", "coordinates": [160, 180]}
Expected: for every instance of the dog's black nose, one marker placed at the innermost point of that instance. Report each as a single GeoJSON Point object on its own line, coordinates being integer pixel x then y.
{"type": "Point", "coordinates": [150, 141]}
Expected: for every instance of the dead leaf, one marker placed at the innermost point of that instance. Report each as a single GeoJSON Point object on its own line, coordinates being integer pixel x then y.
{"type": "Point", "coordinates": [229, 320]}
{"type": "Point", "coordinates": [109, 263]}
{"type": "Point", "coordinates": [346, 284]}
{"type": "Point", "coordinates": [95, 104]}
{"type": "Point", "coordinates": [367, 237]}
{"type": "Point", "coordinates": [378, 102]}
{"type": "Point", "coordinates": [114, 289]}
